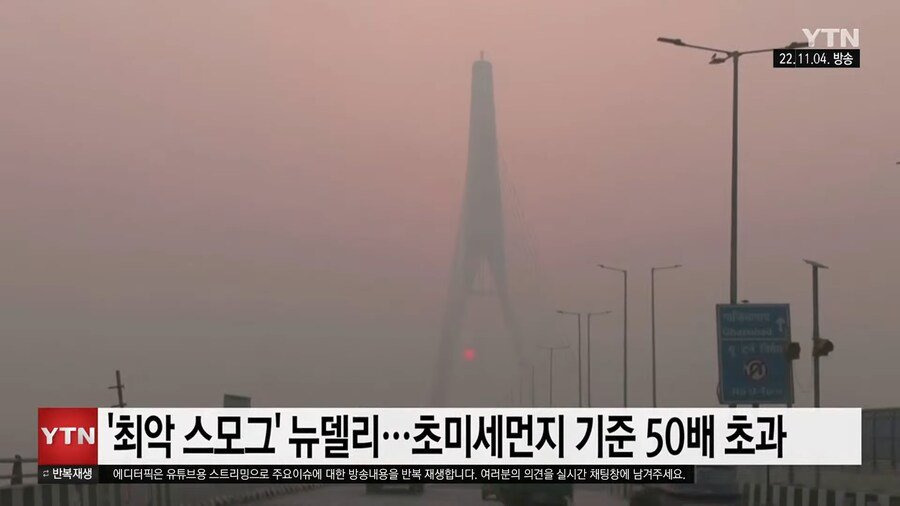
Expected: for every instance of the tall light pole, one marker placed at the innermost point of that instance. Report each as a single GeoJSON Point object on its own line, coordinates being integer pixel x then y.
{"type": "Point", "coordinates": [821, 347]}
{"type": "Point", "coordinates": [734, 56]}
{"type": "Point", "coordinates": [522, 366]}
{"type": "Point", "coordinates": [521, 390]}
{"type": "Point", "coordinates": [551, 349]}
{"type": "Point", "coordinates": [118, 387]}
{"type": "Point", "coordinates": [589, 359]}
{"type": "Point", "coordinates": [815, 334]}
{"type": "Point", "coordinates": [624, 332]}
{"type": "Point", "coordinates": [532, 386]}
{"type": "Point", "coordinates": [653, 319]}
{"type": "Point", "coordinates": [570, 313]}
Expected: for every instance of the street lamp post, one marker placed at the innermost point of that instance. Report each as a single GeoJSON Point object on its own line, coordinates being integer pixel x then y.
{"type": "Point", "coordinates": [653, 320]}
{"type": "Point", "coordinates": [815, 334]}
{"type": "Point", "coordinates": [532, 386]}
{"type": "Point", "coordinates": [624, 332]}
{"type": "Point", "coordinates": [589, 359]}
{"type": "Point", "coordinates": [570, 313]}
{"type": "Point", "coordinates": [815, 338]}
{"type": "Point", "coordinates": [521, 390]}
{"type": "Point", "coordinates": [734, 56]}
{"type": "Point", "coordinates": [551, 349]}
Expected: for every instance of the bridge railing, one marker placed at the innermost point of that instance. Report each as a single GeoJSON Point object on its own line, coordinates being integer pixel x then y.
{"type": "Point", "coordinates": [17, 475]}
{"type": "Point", "coordinates": [881, 438]}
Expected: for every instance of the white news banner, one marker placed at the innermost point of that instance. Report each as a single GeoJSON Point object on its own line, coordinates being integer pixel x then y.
{"type": "Point", "coordinates": [467, 436]}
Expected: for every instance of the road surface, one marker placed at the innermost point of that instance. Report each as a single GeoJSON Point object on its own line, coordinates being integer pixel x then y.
{"type": "Point", "coordinates": [435, 495]}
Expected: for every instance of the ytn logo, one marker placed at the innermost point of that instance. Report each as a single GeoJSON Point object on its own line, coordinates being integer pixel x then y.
{"type": "Point", "coordinates": [85, 436]}
{"type": "Point", "coordinates": [67, 436]}
{"type": "Point", "coordinates": [848, 38]}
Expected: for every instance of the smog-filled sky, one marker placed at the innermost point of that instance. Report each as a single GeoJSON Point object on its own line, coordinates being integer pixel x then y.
{"type": "Point", "coordinates": [262, 198]}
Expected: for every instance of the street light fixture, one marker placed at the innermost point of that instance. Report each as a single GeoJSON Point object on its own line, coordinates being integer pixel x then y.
{"type": "Point", "coordinates": [653, 319]}
{"type": "Point", "coordinates": [624, 333]}
{"type": "Point", "coordinates": [677, 42]}
{"type": "Point", "coordinates": [570, 313]}
{"type": "Point", "coordinates": [716, 59]}
{"type": "Point", "coordinates": [589, 315]}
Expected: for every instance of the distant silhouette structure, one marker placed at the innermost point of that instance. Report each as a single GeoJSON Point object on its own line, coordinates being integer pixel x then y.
{"type": "Point", "coordinates": [480, 242]}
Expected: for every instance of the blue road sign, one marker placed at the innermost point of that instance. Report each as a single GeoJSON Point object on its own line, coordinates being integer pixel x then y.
{"type": "Point", "coordinates": [753, 365]}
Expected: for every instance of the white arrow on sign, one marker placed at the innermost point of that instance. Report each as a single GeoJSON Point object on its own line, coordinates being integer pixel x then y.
{"type": "Point", "coordinates": [780, 322]}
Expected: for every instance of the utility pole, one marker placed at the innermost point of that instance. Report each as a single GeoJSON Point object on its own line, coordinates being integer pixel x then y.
{"type": "Point", "coordinates": [118, 387]}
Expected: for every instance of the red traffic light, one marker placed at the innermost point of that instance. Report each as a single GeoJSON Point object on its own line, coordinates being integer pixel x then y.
{"type": "Point", "coordinates": [822, 347]}
{"type": "Point", "coordinates": [469, 354]}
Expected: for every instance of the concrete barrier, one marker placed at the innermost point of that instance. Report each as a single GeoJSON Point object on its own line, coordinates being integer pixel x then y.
{"type": "Point", "coordinates": [757, 494]}
{"type": "Point", "coordinates": [64, 495]}
{"type": "Point", "coordinates": [254, 495]}
{"type": "Point", "coordinates": [139, 495]}
{"type": "Point", "coordinates": [621, 490]}
{"type": "Point", "coordinates": [850, 478]}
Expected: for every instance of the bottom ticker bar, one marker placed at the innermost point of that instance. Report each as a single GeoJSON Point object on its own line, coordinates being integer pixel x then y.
{"type": "Point", "coordinates": [366, 474]}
